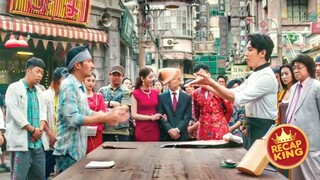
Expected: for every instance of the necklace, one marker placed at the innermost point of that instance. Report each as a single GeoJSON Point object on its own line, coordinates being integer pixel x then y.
{"type": "Point", "coordinates": [146, 93]}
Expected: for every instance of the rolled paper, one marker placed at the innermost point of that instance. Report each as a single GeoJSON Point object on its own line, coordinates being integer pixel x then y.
{"type": "Point", "coordinates": [168, 74]}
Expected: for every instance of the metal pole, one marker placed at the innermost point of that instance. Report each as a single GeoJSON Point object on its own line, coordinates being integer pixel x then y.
{"type": "Point", "coordinates": [157, 46]}
{"type": "Point", "coordinates": [279, 34]}
{"type": "Point", "coordinates": [141, 23]}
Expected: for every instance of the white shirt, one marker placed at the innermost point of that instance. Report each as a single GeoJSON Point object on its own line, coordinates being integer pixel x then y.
{"type": "Point", "coordinates": [177, 95]}
{"type": "Point", "coordinates": [259, 94]}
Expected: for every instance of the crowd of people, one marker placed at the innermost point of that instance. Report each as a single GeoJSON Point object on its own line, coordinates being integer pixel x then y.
{"type": "Point", "coordinates": [48, 131]}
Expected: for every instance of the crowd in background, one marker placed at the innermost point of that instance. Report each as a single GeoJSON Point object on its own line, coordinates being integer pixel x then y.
{"type": "Point", "coordinates": [57, 127]}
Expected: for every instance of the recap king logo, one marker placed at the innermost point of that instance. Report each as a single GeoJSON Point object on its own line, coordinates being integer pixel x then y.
{"type": "Point", "coordinates": [287, 146]}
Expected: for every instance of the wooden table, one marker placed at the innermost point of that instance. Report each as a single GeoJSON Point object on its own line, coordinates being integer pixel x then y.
{"type": "Point", "coordinates": [149, 161]}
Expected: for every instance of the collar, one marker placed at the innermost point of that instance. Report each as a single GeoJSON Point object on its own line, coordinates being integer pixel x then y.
{"type": "Point", "coordinates": [261, 67]}
{"type": "Point", "coordinates": [114, 89]}
{"type": "Point", "coordinates": [27, 87]}
{"type": "Point", "coordinates": [177, 91]}
{"type": "Point", "coordinates": [78, 83]}
{"type": "Point", "coordinates": [305, 82]}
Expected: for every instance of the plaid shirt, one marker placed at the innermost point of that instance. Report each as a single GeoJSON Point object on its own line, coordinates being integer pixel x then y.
{"type": "Point", "coordinates": [121, 95]}
{"type": "Point", "coordinates": [33, 113]}
{"type": "Point", "coordinates": [73, 107]}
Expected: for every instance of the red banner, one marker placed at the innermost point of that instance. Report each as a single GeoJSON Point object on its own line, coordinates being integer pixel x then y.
{"type": "Point", "coordinates": [69, 11]}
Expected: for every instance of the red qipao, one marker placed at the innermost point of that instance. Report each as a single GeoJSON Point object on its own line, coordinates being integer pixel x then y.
{"type": "Point", "coordinates": [210, 114]}
{"type": "Point", "coordinates": [96, 103]}
{"type": "Point", "coordinates": [146, 130]}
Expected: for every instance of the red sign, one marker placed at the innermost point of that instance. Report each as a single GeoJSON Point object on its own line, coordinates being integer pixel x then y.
{"type": "Point", "coordinates": [315, 28]}
{"type": "Point", "coordinates": [70, 11]}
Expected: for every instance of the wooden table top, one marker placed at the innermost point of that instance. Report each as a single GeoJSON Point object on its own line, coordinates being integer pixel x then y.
{"type": "Point", "coordinates": [149, 161]}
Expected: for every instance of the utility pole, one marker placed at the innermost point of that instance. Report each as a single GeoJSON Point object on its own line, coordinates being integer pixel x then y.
{"type": "Point", "coordinates": [157, 46]}
{"type": "Point", "coordinates": [279, 34]}
{"type": "Point", "coordinates": [141, 29]}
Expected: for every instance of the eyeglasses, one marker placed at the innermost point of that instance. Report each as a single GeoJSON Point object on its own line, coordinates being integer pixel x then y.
{"type": "Point", "coordinates": [298, 67]}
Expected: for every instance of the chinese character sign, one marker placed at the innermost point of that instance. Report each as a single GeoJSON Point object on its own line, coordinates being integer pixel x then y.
{"type": "Point", "coordinates": [71, 11]}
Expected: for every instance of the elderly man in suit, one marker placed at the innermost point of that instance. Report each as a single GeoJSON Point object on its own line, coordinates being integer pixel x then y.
{"type": "Point", "coordinates": [304, 112]}
{"type": "Point", "coordinates": [176, 105]}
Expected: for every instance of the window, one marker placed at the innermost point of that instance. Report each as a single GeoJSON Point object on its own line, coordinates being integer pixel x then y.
{"type": "Point", "coordinates": [297, 10]}
{"type": "Point", "coordinates": [176, 22]}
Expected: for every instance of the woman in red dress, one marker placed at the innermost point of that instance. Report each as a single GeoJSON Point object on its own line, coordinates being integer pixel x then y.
{"type": "Point", "coordinates": [144, 101]}
{"type": "Point", "coordinates": [96, 103]}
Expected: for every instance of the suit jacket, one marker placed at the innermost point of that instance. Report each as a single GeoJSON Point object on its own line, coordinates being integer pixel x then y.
{"type": "Point", "coordinates": [307, 113]}
{"type": "Point", "coordinates": [176, 119]}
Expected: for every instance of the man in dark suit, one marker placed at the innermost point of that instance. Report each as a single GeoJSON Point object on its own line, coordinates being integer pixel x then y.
{"type": "Point", "coordinates": [176, 105]}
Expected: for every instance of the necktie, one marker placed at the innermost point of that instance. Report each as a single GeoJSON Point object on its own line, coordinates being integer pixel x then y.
{"type": "Point", "coordinates": [175, 102]}
{"type": "Point", "coordinates": [294, 104]}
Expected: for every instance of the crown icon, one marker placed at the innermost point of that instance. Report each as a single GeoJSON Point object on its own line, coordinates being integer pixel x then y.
{"type": "Point", "coordinates": [284, 137]}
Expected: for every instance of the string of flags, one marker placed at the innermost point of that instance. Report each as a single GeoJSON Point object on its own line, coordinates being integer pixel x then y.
{"type": "Point", "coordinates": [55, 44]}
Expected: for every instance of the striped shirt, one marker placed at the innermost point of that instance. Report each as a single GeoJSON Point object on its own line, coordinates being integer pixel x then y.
{"type": "Point", "coordinates": [33, 113]}
{"type": "Point", "coordinates": [73, 107]}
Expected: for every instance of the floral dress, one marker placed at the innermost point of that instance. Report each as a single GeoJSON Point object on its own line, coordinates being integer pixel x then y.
{"type": "Point", "coordinates": [211, 113]}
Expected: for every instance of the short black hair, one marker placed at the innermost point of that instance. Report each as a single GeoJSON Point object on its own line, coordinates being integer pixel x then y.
{"type": "Point", "coordinates": [223, 77]}
{"type": "Point", "coordinates": [126, 79]}
{"type": "Point", "coordinates": [232, 82]}
{"type": "Point", "coordinates": [33, 62]}
{"type": "Point", "coordinates": [261, 42]}
{"type": "Point", "coordinates": [276, 70]}
{"type": "Point", "coordinates": [294, 80]}
{"type": "Point", "coordinates": [308, 62]}
{"type": "Point", "coordinates": [197, 67]}
{"type": "Point", "coordinates": [58, 73]}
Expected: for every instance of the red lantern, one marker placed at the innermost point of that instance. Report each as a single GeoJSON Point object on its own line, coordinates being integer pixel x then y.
{"type": "Point", "coordinates": [12, 42]}
{"type": "Point", "coordinates": [22, 42]}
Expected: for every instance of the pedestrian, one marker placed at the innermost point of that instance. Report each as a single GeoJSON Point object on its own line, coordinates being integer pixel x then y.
{"type": "Point", "coordinates": [304, 112]}
{"type": "Point", "coordinates": [287, 79]}
{"type": "Point", "coordinates": [96, 103]}
{"type": "Point", "coordinates": [175, 107]}
{"type": "Point", "coordinates": [3, 147]}
{"type": "Point", "coordinates": [158, 85]}
{"type": "Point", "coordinates": [74, 113]}
{"type": "Point", "coordinates": [25, 123]}
{"type": "Point", "coordinates": [212, 112]}
{"type": "Point", "coordinates": [222, 80]}
{"type": "Point", "coordinates": [143, 108]}
{"type": "Point", "coordinates": [51, 100]}
{"type": "Point", "coordinates": [126, 82]}
{"type": "Point", "coordinates": [116, 95]}
{"type": "Point", "coordinates": [258, 93]}
{"type": "Point", "coordinates": [317, 61]}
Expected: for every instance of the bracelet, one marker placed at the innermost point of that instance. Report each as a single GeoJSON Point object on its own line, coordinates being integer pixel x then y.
{"type": "Point", "coordinates": [34, 130]}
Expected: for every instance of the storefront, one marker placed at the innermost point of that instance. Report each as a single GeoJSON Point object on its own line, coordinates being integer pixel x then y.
{"type": "Point", "coordinates": [47, 39]}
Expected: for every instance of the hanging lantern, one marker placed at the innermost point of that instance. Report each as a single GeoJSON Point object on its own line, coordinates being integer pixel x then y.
{"type": "Point", "coordinates": [22, 43]}
{"type": "Point", "coordinates": [12, 42]}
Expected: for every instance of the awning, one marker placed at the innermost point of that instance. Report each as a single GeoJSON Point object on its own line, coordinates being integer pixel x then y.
{"type": "Point", "coordinates": [50, 29]}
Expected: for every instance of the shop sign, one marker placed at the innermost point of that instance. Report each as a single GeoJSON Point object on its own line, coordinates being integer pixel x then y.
{"type": "Point", "coordinates": [239, 71]}
{"type": "Point", "coordinates": [126, 30]}
{"type": "Point", "coordinates": [69, 11]}
{"type": "Point", "coordinates": [315, 28]}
